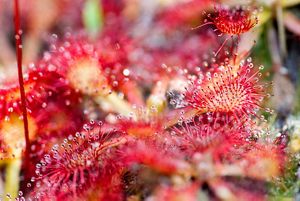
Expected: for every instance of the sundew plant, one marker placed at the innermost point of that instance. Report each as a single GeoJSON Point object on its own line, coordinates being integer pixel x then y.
{"type": "Point", "coordinates": [139, 100]}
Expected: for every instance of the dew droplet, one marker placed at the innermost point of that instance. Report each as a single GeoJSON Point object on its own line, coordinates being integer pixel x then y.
{"type": "Point", "coordinates": [44, 105]}
{"type": "Point", "coordinates": [6, 118]}
{"type": "Point", "coordinates": [115, 83]}
{"type": "Point", "coordinates": [126, 72]}
{"type": "Point", "coordinates": [68, 102]}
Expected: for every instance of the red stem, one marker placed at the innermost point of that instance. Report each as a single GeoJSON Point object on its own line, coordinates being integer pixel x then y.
{"type": "Point", "coordinates": [18, 33]}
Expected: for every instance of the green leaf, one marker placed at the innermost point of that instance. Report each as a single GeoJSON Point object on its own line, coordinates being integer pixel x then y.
{"type": "Point", "coordinates": [93, 17]}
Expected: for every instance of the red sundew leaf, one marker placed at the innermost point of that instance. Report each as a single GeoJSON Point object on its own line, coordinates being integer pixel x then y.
{"type": "Point", "coordinates": [77, 60]}
{"type": "Point", "coordinates": [234, 90]}
{"type": "Point", "coordinates": [93, 69]}
{"type": "Point", "coordinates": [211, 134]}
{"type": "Point", "coordinates": [232, 21]}
{"type": "Point", "coordinates": [80, 163]}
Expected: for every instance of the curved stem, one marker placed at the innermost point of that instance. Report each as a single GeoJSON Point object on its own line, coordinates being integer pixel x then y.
{"type": "Point", "coordinates": [202, 25]}
{"type": "Point", "coordinates": [281, 30]}
{"type": "Point", "coordinates": [156, 102]}
{"type": "Point", "coordinates": [18, 38]}
{"type": "Point", "coordinates": [216, 54]}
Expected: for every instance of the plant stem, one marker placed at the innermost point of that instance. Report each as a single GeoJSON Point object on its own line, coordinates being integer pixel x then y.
{"type": "Point", "coordinates": [12, 178]}
{"type": "Point", "coordinates": [281, 29]}
{"type": "Point", "coordinates": [18, 33]}
{"type": "Point", "coordinates": [116, 103]}
{"type": "Point", "coordinates": [156, 102]}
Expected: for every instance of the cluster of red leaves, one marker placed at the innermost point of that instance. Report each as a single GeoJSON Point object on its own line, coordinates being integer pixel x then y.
{"type": "Point", "coordinates": [211, 149]}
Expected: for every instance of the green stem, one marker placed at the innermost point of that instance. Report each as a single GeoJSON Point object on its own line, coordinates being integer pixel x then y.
{"type": "Point", "coordinates": [281, 30]}
{"type": "Point", "coordinates": [12, 178]}
{"type": "Point", "coordinates": [117, 104]}
{"type": "Point", "coordinates": [93, 17]}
